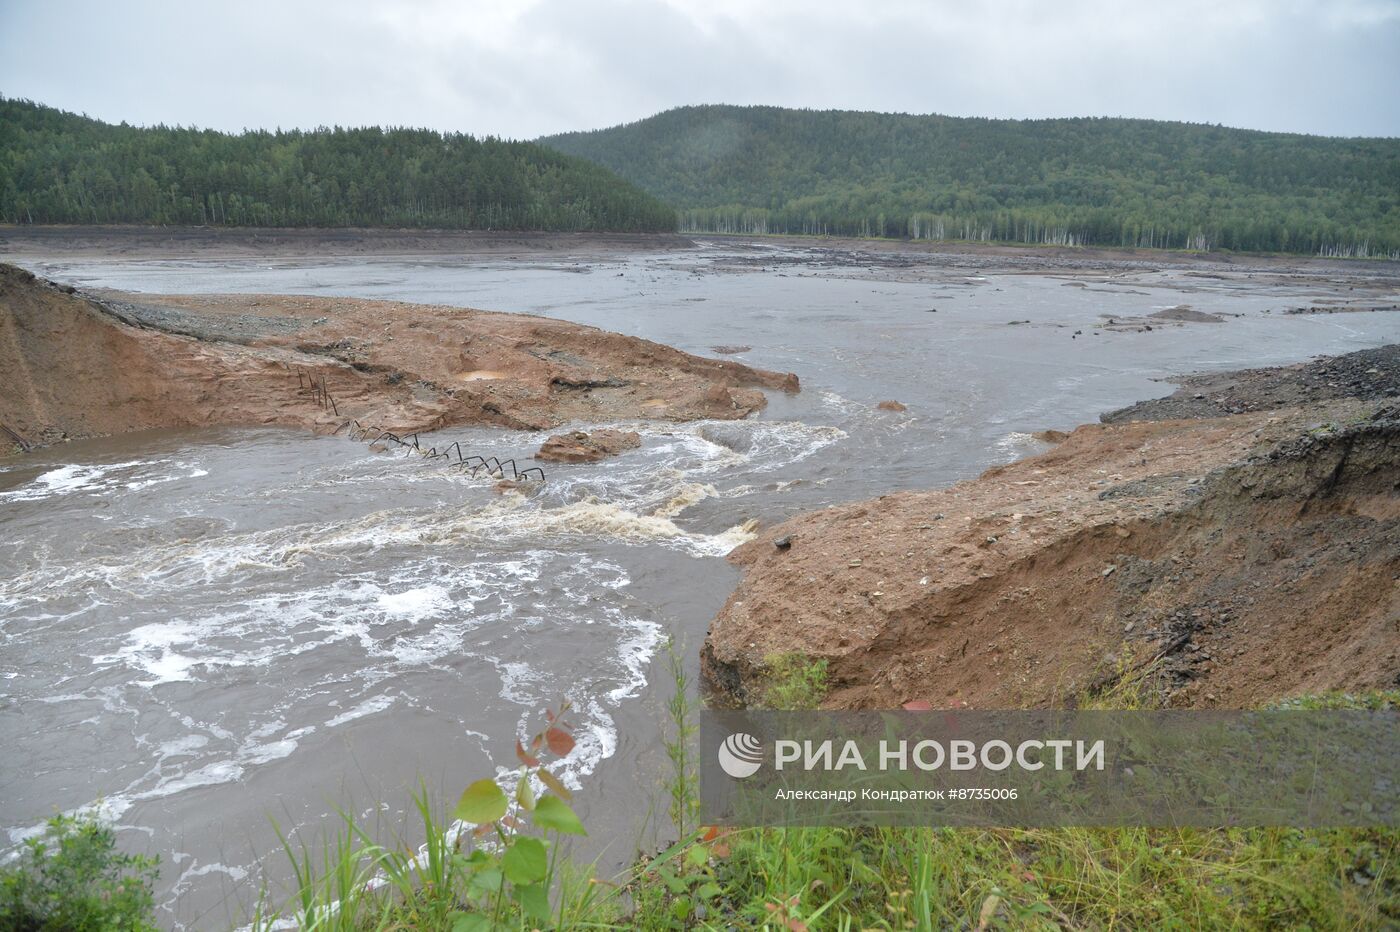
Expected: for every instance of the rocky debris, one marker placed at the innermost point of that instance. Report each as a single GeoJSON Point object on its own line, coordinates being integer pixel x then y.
{"type": "Point", "coordinates": [1050, 436]}
{"type": "Point", "coordinates": [1240, 559]}
{"type": "Point", "coordinates": [1343, 309]}
{"type": "Point", "coordinates": [1372, 374]}
{"type": "Point", "coordinates": [88, 364]}
{"type": "Point", "coordinates": [1186, 314]}
{"type": "Point", "coordinates": [892, 405]}
{"type": "Point", "coordinates": [587, 446]}
{"type": "Point", "coordinates": [1172, 316]}
{"type": "Point", "coordinates": [725, 349]}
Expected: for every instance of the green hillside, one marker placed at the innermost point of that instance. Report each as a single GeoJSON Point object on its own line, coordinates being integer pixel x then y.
{"type": "Point", "coordinates": [1108, 182]}
{"type": "Point", "coordinates": [57, 167]}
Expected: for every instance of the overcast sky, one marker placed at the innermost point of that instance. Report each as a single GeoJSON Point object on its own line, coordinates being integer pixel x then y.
{"type": "Point", "coordinates": [531, 67]}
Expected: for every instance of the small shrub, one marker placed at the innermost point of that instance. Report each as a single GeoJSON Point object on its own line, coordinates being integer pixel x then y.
{"type": "Point", "coordinates": [72, 878]}
{"type": "Point", "coordinates": [794, 682]}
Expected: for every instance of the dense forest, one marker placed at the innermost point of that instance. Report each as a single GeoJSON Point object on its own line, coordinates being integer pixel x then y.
{"type": "Point", "coordinates": [57, 167]}
{"type": "Point", "coordinates": [1113, 182]}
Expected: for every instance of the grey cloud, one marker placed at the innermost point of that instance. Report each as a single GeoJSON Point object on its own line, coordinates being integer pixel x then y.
{"type": "Point", "coordinates": [540, 66]}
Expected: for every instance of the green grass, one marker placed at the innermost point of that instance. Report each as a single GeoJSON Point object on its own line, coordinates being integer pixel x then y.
{"type": "Point", "coordinates": [510, 873]}
{"type": "Point", "coordinates": [793, 682]}
{"type": "Point", "coordinates": [895, 878]}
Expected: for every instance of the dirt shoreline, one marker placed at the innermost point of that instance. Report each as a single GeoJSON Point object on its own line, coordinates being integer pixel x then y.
{"type": "Point", "coordinates": [144, 242]}
{"type": "Point", "coordinates": [1236, 559]}
{"type": "Point", "coordinates": [83, 364]}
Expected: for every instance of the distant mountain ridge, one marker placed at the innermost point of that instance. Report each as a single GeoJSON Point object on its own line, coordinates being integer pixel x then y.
{"type": "Point", "coordinates": [1086, 181]}
{"type": "Point", "coordinates": [58, 167]}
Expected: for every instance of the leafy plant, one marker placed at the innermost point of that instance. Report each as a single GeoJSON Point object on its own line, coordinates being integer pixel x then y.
{"type": "Point", "coordinates": [73, 878]}
{"type": "Point", "coordinates": [496, 874]}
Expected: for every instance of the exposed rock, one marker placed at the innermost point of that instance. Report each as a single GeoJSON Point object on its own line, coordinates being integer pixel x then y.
{"type": "Point", "coordinates": [587, 447]}
{"type": "Point", "coordinates": [892, 405]}
{"type": "Point", "coordinates": [725, 349]}
{"type": "Point", "coordinates": [1050, 436]}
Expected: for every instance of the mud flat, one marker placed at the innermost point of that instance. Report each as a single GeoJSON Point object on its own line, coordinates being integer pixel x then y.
{"type": "Point", "coordinates": [139, 242]}
{"type": "Point", "coordinates": [85, 364]}
{"type": "Point", "coordinates": [1236, 559]}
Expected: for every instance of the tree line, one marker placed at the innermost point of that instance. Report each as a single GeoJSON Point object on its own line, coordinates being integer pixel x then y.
{"type": "Point", "coordinates": [1092, 181]}
{"type": "Point", "coordinates": [58, 167]}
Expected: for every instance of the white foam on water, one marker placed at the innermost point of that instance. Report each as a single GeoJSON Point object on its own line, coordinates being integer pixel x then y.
{"type": "Point", "coordinates": [636, 506]}
{"type": "Point", "coordinates": [181, 747]}
{"type": "Point", "coordinates": [152, 649]}
{"type": "Point", "coordinates": [1017, 444]}
{"type": "Point", "coordinates": [410, 602]}
{"type": "Point", "coordinates": [99, 479]}
{"type": "Point", "coordinates": [368, 707]}
{"type": "Point", "coordinates": [453, 589]}
{"type": "Point", "coordinates": [55, 482]}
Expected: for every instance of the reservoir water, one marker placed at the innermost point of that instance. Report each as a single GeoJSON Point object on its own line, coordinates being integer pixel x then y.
{"type": "Point", "coordinates": [204, 632]}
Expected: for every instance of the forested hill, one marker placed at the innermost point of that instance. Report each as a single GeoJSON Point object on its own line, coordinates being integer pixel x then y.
{"type": "Point", "coordinates": [56, 167]}
{"type": "Point", "coordinates": [1073, 181]}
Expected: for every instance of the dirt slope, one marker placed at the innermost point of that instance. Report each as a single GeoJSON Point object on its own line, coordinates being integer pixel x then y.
{"type": "Point", "coordinates": [79, 365]}
{"type": "Point", "coordinates": [1254, 556]}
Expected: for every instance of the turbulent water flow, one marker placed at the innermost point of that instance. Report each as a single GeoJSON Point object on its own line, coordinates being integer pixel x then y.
{"type": "Point", "coordinates": [204, 631]}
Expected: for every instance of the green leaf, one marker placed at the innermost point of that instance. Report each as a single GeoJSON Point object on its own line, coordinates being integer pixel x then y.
{"type": "Point", "coordinates": [483, 801]}
{"type": "Point", "coordinates": [534, 900]}
{"type": "Point", "coordinates": [551, 812]}
{"type": "Point", "coordinates": [470, 922]}
{"type": "Point", "coordinates": [673, 883]}
{"type": "Point", "coordinates": [525, 861]}
{"type": "Point", "coordinates": [697, 856]}
{"type": "Point", "coordinates": [485, 883]}
{"type": "Point", "coordinates": [525, 793]}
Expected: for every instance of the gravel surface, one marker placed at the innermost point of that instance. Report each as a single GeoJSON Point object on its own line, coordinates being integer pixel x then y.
{"type": "Point", "coordinates": [232, 328]}
{"type": "Point", "coordinates": [1368, 374]}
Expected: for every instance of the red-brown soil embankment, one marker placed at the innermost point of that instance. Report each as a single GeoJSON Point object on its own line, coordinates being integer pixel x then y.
{"type": "Point", "coordinates": [1238, 559]}
{"type": "Point", "coordinates": [82, 365]}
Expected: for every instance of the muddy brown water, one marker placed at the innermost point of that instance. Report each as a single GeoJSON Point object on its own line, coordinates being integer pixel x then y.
{"type": "Point", "coordinates": [207, 631]}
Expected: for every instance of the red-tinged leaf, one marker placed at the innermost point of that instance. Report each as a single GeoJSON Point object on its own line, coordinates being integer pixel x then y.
{"type": "Point", "coordinates": [711, 833]}
{"type": "Point", "coordinates": [479, 831]}
{"type": "Point", "coordinates": [772, 907]}
{"type": "Point", "coordinates": [918, 705]}
{"type": "Point", "coordinates": [510, 822]}
{"type": "Point", "coordinates": [524, 756]}
{"type": "Point", "coordinates": [719, 850]}
{"type": "Point", "coordinates": [797, 925]}
{"type": "Point", "coordinates": [548, 716]}
{"type": "Point", "coordinates": [560, 741]}
{"type": "Point", "coordinates": [536, 741]}
{"type": "Point", "coordinates": [555, 784]}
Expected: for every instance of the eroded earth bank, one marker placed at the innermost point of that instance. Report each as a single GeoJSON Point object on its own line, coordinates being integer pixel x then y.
{"type": "Point", "coordinates": [1237, 542]}
{"type": "Point", "coordinates": [82, 364]}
